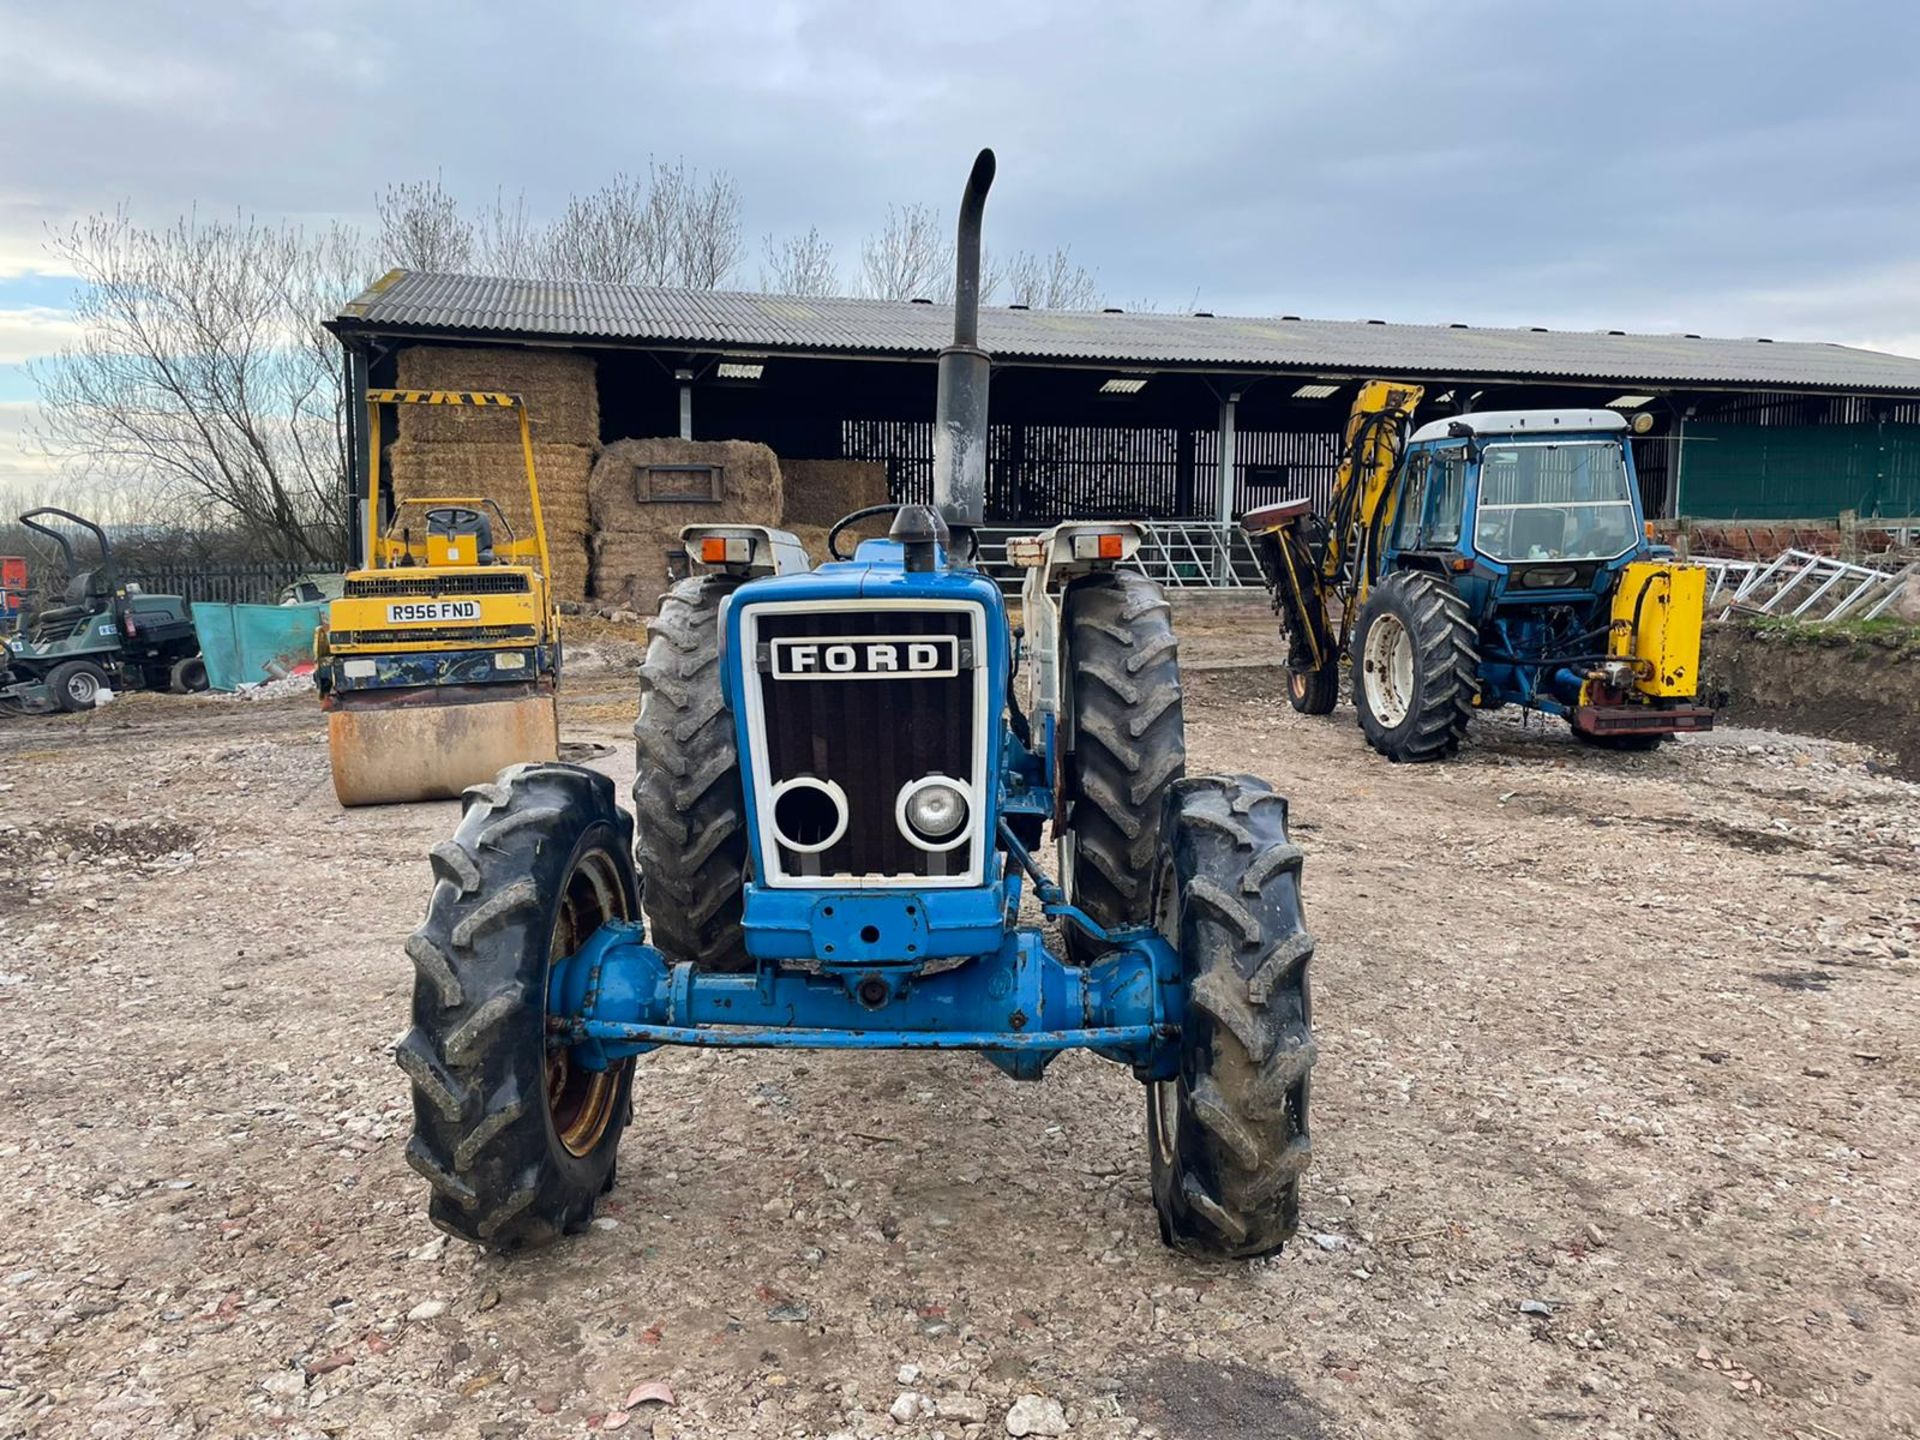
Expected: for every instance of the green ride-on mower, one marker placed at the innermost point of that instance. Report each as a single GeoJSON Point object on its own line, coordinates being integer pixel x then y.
{"type": "Point", "coordinates": [101, 636]}
{"type": "Point", "coordinates": [845, 775]}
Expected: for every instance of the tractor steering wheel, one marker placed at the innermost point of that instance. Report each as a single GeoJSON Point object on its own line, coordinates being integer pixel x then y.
{"type": "Point", "coordinates": [841, 525]}
{"type": "Point", "coordinates": [451, 515]}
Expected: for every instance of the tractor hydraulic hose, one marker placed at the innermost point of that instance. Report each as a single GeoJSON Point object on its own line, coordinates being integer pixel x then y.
{"type": "Point", "coordinates": [1379, 429]}
{"type": "Point", "coordinates": [1641, 599]}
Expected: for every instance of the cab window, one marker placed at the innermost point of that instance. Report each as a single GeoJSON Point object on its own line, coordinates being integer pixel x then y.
{"type": "Point", "coordinates": [1448, 501]}
{"type": "Point", "coordinates": [1413, 500]}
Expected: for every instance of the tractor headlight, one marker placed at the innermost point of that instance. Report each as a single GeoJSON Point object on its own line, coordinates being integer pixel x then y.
{"type": "Point", "coordinates": [933, 812]}
{"type": "Point", "coordinates": [809, 814]}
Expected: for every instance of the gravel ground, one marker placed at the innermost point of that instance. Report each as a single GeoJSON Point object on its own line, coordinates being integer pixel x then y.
{"type": "Point", "coordinates": [1615, 1127]}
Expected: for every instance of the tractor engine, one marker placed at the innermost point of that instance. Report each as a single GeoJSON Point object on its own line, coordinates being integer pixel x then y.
{"type": "Point", "coordinates": [866, 697]}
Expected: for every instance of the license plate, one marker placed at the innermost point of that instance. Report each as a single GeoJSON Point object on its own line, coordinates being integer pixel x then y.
{"type": "Point", "coordinates": [427, 612]}
{"type": "Point", "coordinates": [866, 657]}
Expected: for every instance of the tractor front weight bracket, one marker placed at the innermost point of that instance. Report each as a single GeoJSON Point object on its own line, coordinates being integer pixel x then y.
{"type": "Point", "coordinates": [1019, 1007]}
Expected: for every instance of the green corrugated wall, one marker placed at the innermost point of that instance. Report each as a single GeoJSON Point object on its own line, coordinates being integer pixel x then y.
{"type": "Point", "coordinates": [1798, 472]}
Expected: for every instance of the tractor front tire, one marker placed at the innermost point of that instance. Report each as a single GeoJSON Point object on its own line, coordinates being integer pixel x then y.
{"type": "Point", "coordinates": [517, 1141]}
{"type": "Point", "coordinates": [76, 684]}
{"type": "Point", "coordinates": [1311, 689]}
{"type": "Point", "coordinates": [1126, 748]}
{"type": "Point", "coordinates": [1315, 692]}
{"type": "Point", "coordinates": [1416, 667]}
{"type": "Point", "coordinates": [689, 811]}
{"type": "Point", "coordinates": [1228, 1139]}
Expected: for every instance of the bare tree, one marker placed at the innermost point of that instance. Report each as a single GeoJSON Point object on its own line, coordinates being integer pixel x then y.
{"type": "Point", "coordinates": [202, 375]}
{"type": "Point", "coordinates": [705, 226]}
{"type": "Point", "coordinates": [665, 229]}
{"type": "Point", "coordinates": [421, 228]}
{"type": "Point", "coordinates": [799, 265]}
{"type": "Point", "coordinates": [1046, 282]}
{"type": "Point", "coordinates": [507, 240]}
{"type": "Point", "coordinates": [910, 259]}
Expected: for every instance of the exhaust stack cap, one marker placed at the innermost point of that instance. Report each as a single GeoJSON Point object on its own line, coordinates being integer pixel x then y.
{"type": "Point", "coordinates": [960, 412]}
{"type": "Point", "coordinates": [920, 531]}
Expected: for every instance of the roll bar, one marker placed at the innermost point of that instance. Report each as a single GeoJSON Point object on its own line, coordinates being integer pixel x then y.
{"type": "Point", "coordinates": [66, 546]}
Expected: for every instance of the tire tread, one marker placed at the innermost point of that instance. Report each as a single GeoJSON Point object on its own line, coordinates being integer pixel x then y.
{"type": "Point", "coordinates": [1232, 1189]}
{"type": "Point", "coordinates": [690, 812]}
{"type": "Point", "coordinates": [1129, 742]}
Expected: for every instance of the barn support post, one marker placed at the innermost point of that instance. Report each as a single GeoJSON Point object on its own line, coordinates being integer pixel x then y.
{"type": "Point", "coordinates": [1679, 469]}
{"type": "Point", "coordinates": [359, 523]}
{"type": "Point", "coordinates": [1223, 555]}
{"type": "Point", "coordinates": [1183, 476]}
{"type": "Point", "coordinates": [685, 377]}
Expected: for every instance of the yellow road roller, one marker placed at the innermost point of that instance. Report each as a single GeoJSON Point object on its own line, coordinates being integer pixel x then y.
{"type": "Point", "coordinates": [438, 663]}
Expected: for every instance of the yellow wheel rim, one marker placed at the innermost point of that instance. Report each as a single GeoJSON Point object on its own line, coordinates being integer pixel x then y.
{"type": "Point", "coordinates": [581, 1102]}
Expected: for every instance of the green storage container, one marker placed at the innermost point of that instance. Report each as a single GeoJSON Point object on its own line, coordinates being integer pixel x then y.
{"type": "Point", "coordinates": [242, 643]}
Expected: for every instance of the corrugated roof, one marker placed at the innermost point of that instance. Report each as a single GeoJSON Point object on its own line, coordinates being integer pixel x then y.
{"type": "Point", "coordinates": [417, 303]}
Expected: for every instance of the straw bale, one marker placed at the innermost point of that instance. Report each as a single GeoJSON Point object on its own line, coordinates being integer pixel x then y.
{"type": "Point", "coordinates": [819, 492]}
{"type": "Point", "coordinates": [632, 537]}
{"type": "Point", "coordinates": [630, 567]}
{"type": "Point", "coordinates": [560, 388]}
{"type": "Point", "coordinates": [498, 473]}
{"type": "Point", "coordinates": [750, 484]}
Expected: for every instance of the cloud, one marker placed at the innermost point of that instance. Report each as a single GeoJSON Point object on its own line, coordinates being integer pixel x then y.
{"type": "Point", "coordinates": [1730, 166]}
{"type": "Point", "coordinates": [35, 333]}
{"type": "Point", "coordinates": [23, 469]}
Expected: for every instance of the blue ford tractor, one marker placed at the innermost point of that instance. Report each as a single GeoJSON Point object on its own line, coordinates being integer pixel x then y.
{"type": "Point", "coordinates": [839, 810]}
{"type": "Point", "coordinates": [1488, 559]}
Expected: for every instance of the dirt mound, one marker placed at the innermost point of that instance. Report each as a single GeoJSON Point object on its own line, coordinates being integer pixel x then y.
{"type": "Point", "coordinates": [1859, 683]}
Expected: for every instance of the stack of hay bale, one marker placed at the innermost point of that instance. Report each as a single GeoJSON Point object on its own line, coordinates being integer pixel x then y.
{"type": "Point", "coordinates": [819, 492]}
{"type": "Point", "coordinates": [457, 450]}
{"type": "Point", "coordinates": [633, 535]}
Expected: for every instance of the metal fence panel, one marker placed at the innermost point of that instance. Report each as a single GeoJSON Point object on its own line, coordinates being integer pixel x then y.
{"type": "Point", "coordinates": [255, 584]}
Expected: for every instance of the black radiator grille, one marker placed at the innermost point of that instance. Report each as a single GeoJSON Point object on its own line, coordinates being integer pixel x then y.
{"type": "Point", "coordinates": [432, 584]}
{"type": "Point", "coordinates": [436, 634]}
{"type": "Point", "coordinates": [871, 736]}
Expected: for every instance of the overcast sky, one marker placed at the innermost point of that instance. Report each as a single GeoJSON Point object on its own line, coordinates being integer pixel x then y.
{"type": "Point", "coordinates": [1725, 168]}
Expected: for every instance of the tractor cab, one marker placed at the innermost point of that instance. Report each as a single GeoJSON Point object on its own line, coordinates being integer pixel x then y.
{"type": "Point", "coordinates": [1535, 499]}
{"type": "Point", "coordinates": [1533, 519]}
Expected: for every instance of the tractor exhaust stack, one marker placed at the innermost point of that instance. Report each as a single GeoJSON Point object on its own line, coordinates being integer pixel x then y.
{"type": "Point", "coordinates": [960, 413]}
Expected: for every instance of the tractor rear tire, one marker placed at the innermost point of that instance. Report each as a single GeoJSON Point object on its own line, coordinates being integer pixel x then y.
{"type": "Point", "coordinates": [76, 684]}
{"type": "Point", "coordinates": [188, 676]}
{"type": "Point", "coordinates": [1416, 667]}
{"type": "Point", "coordinates": [1628, 743]}
{"type": "Point", "coordinates": [1228, 1139]}
{"type": "Point", "coordinates": [689, 811]}
{"type": "Point", "coordinates": [1126, 746]}
{"type": "Point", "coordinates": [517, 1143]}
{"type": "Point", "coordinates": [1315, 692]}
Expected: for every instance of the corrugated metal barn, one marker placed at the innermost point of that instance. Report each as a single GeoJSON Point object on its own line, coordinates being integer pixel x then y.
{"type": "Point", "coordinates": [1172, 417]}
